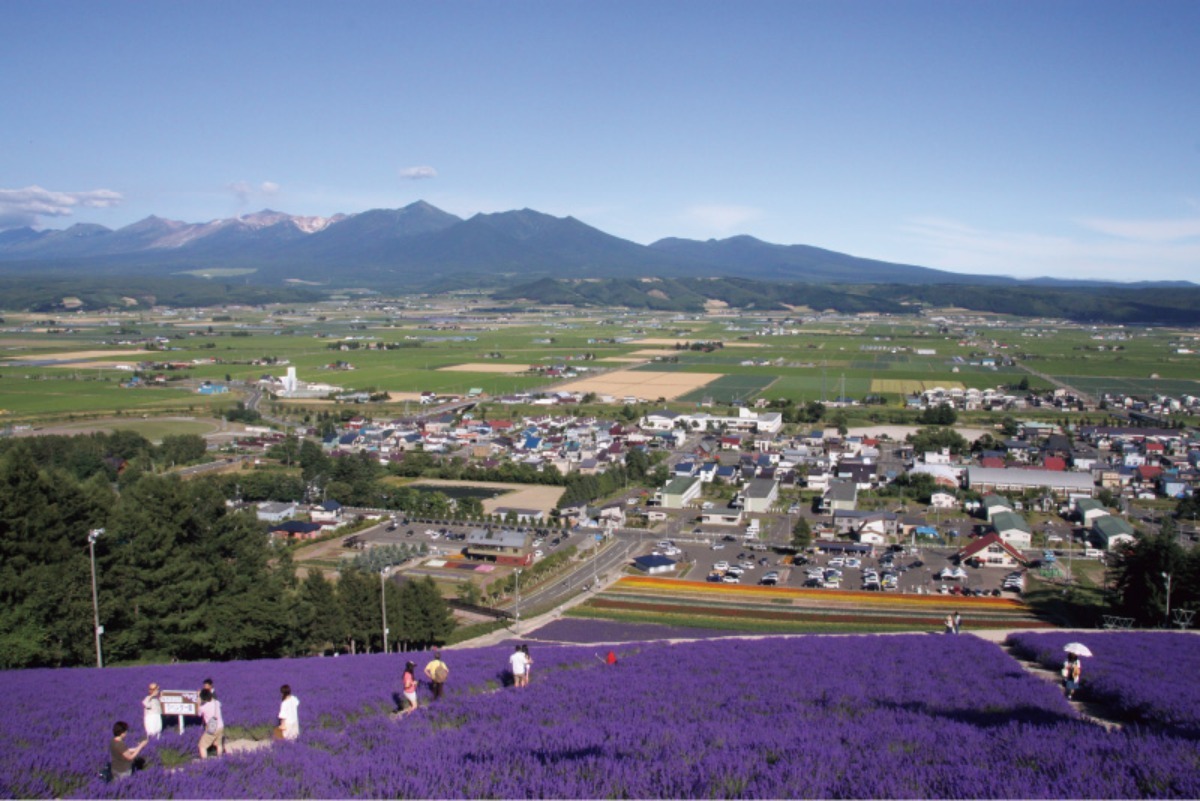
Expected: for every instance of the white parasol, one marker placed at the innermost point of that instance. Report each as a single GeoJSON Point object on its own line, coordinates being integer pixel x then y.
{"type": "Point", "coordinates": [1077, 648]}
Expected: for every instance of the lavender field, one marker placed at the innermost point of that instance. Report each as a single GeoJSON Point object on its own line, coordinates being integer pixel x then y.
{"type": "Point", "coordinates": [816, 717]}
{"type": "Point", "coordinates": [1147, 676]}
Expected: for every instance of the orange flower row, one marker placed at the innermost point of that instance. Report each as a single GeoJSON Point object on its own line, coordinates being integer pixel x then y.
{"type": "Point", "coordinates": [857, 596]}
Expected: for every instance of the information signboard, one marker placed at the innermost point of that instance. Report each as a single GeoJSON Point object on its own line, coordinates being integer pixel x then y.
{"type": "Point", "coordinates": [181, 702]}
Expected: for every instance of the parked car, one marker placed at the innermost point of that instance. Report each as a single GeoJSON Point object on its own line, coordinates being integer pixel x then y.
{"type": "Point", "coordinates": [717, 546]}
{"type": "Point", "coordinates": [731, 579]}
{"type": "Point", "coordinates": [722, 565]}
{"type": "Point", "coordinates": [767, 581]}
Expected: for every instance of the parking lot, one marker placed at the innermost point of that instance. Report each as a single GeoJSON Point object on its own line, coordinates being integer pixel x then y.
{"type": "Point", "coordinates": [915, 570]}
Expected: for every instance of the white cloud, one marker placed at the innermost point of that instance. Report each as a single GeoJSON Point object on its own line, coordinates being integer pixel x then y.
{"type": "Point", "coordinates": [417, 173]}
{"type": "Point", "coordinates": [244, 191]}
{"type": "Point", "coordinates": [721, 220]}
{"type": "Point", "coordinates": [1147, 230]}
{"type": "Point", "coordinates": [952, 245]}
{"type": "Point", "coordinates": [21, 207]}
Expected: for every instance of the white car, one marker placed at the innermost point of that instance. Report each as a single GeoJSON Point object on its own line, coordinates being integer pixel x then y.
{"type": "Point", "coordinates": [722, 565]}
{"type": "Point", "coordinates": [538, 554]}
{"type": "Point", "coordinates": [672, 551]}
{"type": "Point", "coordinates": [837, 561]}
{"type": "Point", "coordinates": [853, 563]}
{"type": "Point", "coordinates": [734, 570]}
{"type": "Point", "coordinates": [663, 543]}
{"type": "Point", "coordinates": [747, 565]}
{"type": "Point", "coordinates": [731, 580]}
{"type": "Point", "coordinates": [718, 546]}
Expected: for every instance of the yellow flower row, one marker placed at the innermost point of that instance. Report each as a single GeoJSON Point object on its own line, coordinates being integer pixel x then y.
{"type": "Point", "coordinates": [858, 596]}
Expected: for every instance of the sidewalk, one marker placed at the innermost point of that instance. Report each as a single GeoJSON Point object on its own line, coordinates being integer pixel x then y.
{"type": "Point", "coordinates": [529, 626]}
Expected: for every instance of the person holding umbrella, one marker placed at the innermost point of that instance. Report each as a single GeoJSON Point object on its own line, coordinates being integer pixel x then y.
{"type": "Point", "coordinates": [1072, 668]}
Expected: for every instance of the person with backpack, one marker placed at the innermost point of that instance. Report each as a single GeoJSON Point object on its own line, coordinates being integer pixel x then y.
{"type": "Point", "coordinates": [214, 724]}
{"type": "Point", "coordinates": [437, 672]}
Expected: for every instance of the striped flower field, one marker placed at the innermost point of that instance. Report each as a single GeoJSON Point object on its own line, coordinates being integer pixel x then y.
{"type": "Point", "coordinates": [788, 609]}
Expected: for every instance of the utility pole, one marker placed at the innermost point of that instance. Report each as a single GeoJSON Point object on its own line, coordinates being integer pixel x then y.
{"type": "Point", "coordinates": [383, 605]}
{"type": "Point", "coordinates": [94, 535]}
{"type": "Point", "coordinates": [517, 584]}
{"type": "Point", "coordinates": [1167, 576]}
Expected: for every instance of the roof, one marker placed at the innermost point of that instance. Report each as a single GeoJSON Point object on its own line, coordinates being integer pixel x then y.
{"type": "Point", "coordinates": [982, 543]}
{"type": "Point", "coordinates": [297, 527]}
{"type": "Point", "coordinates": [653, 560]}
{"type": "Point", "coordinates": [842, 491]}
{"type": "Point", "coordinates": [678, 486]}
{"type": "Point", "coordinates": [1006, 521]}
{"type": "Point", "coordinates": [760, 488]}
{"type": "Point", "coordinates": [502, 538]}
{"type": "Point", "coordinates": [1109, 526]}
{"type": "Point", "coordinates": [1016, 477]}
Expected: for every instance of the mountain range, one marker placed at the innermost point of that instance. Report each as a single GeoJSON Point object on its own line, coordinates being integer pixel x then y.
{"type": "Point", "coordinates": [420, 246]}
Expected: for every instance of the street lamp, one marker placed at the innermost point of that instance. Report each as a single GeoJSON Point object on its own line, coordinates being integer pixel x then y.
{"type": "Point", "coordinates": [94, 535]}
{"type": "Point", "coordinates": [383, 605]}
{"type": "Point", "coordinates": [1167, 576]}
{"type": "Point", "coordinates": [517, 584]}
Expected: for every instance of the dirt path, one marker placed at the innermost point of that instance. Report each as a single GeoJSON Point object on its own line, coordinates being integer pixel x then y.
{"type": "Point", "coordinates": [1091, 711]}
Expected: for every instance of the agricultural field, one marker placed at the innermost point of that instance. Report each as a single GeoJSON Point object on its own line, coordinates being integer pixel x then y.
{"type": "Point", "coordinates": [900, 716]}
{"type": "Point", "coordinates": [496, 494]}
{"type": "Point", "coordinates": [753, 608]}
{"type": "Point", "coordinates": [54, 368]}
{"type": "Point", "coordinates": [731, 389]}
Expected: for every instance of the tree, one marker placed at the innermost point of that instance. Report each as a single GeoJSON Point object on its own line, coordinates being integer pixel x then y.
{"type": "Point", "coordinates": [801, 534]}
{"type": "Point", "coordinates": [941, 415]}
{"type": "Point", "coordinates": [427, 618]}
{"type": "Point", "coordinates": [1141, 585]}
{"type": "Point", "coordinates": [934, 439]}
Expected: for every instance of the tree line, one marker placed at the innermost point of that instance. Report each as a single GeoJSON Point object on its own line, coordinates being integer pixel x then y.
{"type": "Point", "coordinates": [180, 575]}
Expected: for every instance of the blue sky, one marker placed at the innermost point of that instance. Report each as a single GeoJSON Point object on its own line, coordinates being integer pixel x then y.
{"type": "Point", "coordinates": [1017, 138]}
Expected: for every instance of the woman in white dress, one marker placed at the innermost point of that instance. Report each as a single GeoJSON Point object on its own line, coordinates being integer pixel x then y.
{"type": "Point", "coordinates": [289, 713]}
{"type": "Point", "coordinates": [152, 712]}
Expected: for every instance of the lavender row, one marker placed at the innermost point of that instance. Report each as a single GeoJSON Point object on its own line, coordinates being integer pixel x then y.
{"type": "Point", "coordinates": [869, 717]}
{"type": "Point", "coordinates": [56, 721]}
{"type": "Point", "coordinates": [1145, 675]}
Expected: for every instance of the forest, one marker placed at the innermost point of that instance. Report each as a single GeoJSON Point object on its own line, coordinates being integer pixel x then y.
{"type": "Point", "coordinates": [180, 575]}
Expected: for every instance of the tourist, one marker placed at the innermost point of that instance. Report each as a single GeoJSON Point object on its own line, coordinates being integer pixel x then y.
{"type": "Point", "coordinates": [123, 759]}
{"type": "Point", "coordinates": [949, 624]}
{"type": "Point", "coordinates": [214, 724]}
{"type": "Point", "coordinates": [152, 712]}
{"type": "Point", "coordinates": [437, 672]}
{"type": "Point", "coordinates": [528, 666]}
{"type": "Point", "coordinates": [516, 664]}
{"type": "Point", "coordinates": [289, 713]}
{"type": "Point", "coordinates": [1070, 672]}
{"type": "Point", "coordinates": [410, 687]}
{"type": "Point", "coordinates": [957, 623]}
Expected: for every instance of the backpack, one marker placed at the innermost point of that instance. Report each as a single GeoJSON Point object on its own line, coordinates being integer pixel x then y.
{"type": "Point", "coordinates": [441, 673]}
{"type": "Point", "coordinates": [213, 724]}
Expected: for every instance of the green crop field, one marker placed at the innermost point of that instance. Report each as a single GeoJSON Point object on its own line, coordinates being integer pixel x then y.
{"type": "Point", "coordinates": [730, 388]}
{"type": "Point", "coordinates": [338, 343]}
